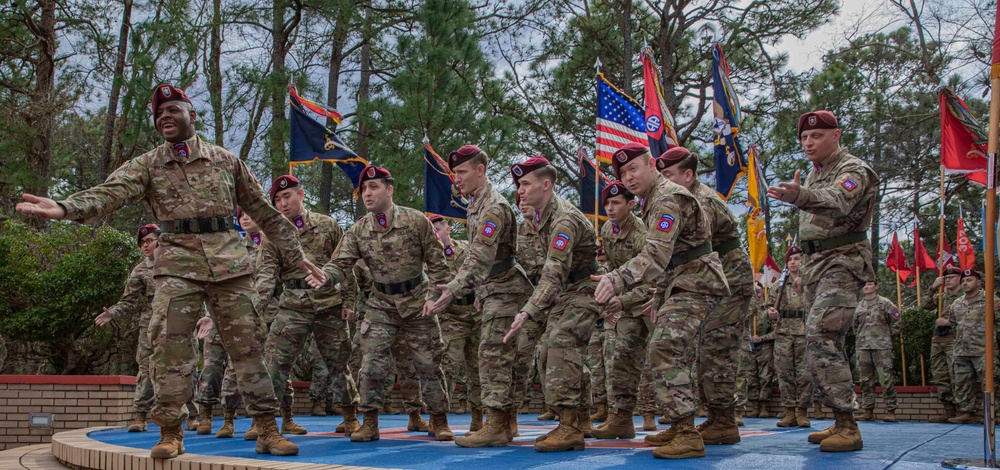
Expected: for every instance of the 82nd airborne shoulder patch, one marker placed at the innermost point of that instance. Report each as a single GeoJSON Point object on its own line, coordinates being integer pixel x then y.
{"type": "Point", "coordinates": [560, 241]}
{"type": "Point", "coordinates": [666, 223]}
{"type": "Point", "coordinates": [849, 184]}
{"type": "Point", "coordinates": [489, 229]}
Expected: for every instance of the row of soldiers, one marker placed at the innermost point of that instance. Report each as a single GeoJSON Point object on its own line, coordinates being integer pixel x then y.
{"type": "Point", "coordinates": [689, 276]}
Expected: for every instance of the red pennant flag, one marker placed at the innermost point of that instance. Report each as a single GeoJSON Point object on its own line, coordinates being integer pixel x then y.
{"type": "Point", "coordinates": [962, 138]}
{"type": "Point", "coordinates": [947, 257]}
{"type": "Point", "coordinates": [921, 260]}
{"type": "Point", "coordinates": [896, 260]}
{"type": "Point", "coordinates": [966, 255]}
{"type": "Point", "coordinates": [771, 272]}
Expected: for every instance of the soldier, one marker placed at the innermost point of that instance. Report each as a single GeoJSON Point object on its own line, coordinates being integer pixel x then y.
{"type": "Point", "coordinates": [490, 270]}
{"type": "Point", "coordinates": [760, 371]}
{"type": "Point", "coordinates": [837, 202]}
{"type": "Point", "coordinates": [461, 330]}
{"type": "Point", "coordinates": [943, 340]}
{"type": "Point", "coordinates": [876, 321]}
{"type": "Point", "coordinates": [531, 256]}
{"type": "Point", "coordinates": [564, 289]}
{"type": "Point", "coordinates": [630, 385]}
{"type": "Point", "coordinates": [721, 336]}
{"type": "Point", "coordinates": [396, 243]}
{"type": "Point", "coordinates": [193, 187]}
{"type": "Point", "coordinates": [320, 394]}
{"type": "Point", "coordinates": [969, 353]}
{"type": "Point", "coordinates": [213, 355]}
{"type": "Point", "coordinates": [679, 261]}
{"type": "Point", "coordinates": [789, 336]}
{"type": "Point", "coordinates": [303, 311]}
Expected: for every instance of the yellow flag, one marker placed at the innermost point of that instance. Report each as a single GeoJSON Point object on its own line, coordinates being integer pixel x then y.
{"type": "Point", "coordinates": [756, 232]}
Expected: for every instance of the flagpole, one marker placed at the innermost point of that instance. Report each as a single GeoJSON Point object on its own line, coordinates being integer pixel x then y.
{"type": "Point", "coordinates": [899, 305]}
{"type": "Point", "coordinates": [923, 374]}
{"type": "Point", "coordinates": [989, 436]}
{"type": "Point", "coordinates": [597, 194]}
{"type": "Point", "coordinates": [941, 249]}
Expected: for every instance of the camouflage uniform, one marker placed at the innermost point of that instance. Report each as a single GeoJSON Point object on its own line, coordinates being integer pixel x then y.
{"type": "Point", "coordinates": [410, 394]}
{"type": "Point", "coordinates": [213, 369]}
{"type": "Point", "coordinates": [598, 360]}
{"type": "Point", "coordinates": [195, 269]}
{"type": "Point", "coordinates": [631, 376]}
{"type": "Point", "coordinates": [531, 257]}
{"type": "Point", "coordinates": [967, 315]}
{"type": "Point", "coordinates": [304, 311]}
{"type": "Point", "coordinates": [942, 359]}
{"type": "Point", "coordinates": [789, 336]}
{"type": "Point", "coordinates": [312, 359]}
{"type": "Point", "coordinates": [461, 330]}
{"type": "Point", "coordinates": [836, 200]}
{"type": "Point", "coordinates": [722, 334]}
{"type": "Point", "coordinates": [138, 300]}
{"type": "Point", "coordinates": [396, 256]}
{"type": "Point", "coordinates": [875, 323]}
{"type": "Point", "coordinates": [687, 291]}
{"type": "Point", "coordinates": [760, 370]}
{"type": "Point", "coordinates": [491, 222]}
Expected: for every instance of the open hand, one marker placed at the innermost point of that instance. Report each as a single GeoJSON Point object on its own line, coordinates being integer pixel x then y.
{"type": "Point", "coordinates": [103, 318]}
{"type": "Point", "coordinates": [41, 206]}
{"type": "Point", "coordinates": [787, 192]}
{"type": "Point", "coordinates": [204, 326]}
{"type": "Point", "coordinates": [515, 328]}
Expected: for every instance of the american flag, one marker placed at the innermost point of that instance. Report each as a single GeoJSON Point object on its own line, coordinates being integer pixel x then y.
{"type": "Point", "coordinates": [620, 120]}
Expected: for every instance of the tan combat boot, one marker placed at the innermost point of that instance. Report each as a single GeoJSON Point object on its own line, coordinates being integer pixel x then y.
{"type": "Point", "coordinates": [583, 421]}
{"type": "Point", "coordinates": [649, 422]}
{"type": "Point", "coordinates": [867, 415]}
{"type": "Point", "coordinates": [618, 426]}
{"type": "Point", "coordinates": [817, 437]}
{"type": "Point", "coordinates": [253, 432]}
{"type": "Point", "coordinates": [439, 427]}
{"type": "Point", "coordinates": [601, 415]}
{"type": "Point", "coordinates": [949, 412]}
{"type": "Point", "coordinates": [317, 408]}
{"type": "Point", "coordinates": [463, 407]}
{"type": "Point", "coordinates": [350, 425]}
{"type": "Point", "coordinates": [802, 417]}
{"type": "Point", "coordinates": [192, 423]}
{"type": "Point", "coordinates": [763, 410]}
{"type": "Point", "coordinates": [270, 440]}
{"type": "Point", "coordinates": [738, 417]}
{"type": "Point", "coordinates": [686, 442]}
{"type": "Point", "coordinates": [493, 434]}
{"type": "Point", "coordinates": [965, 418]}
{"type": "Point", "coordinates": [512, 430]}
{"type": "Point", "coordinates": [205, 425]}
{"type": "Point", "coordinates": [890, 416]}
{"type": "Point", "coordinates": [388, 409]}
{"type": "Point", "coordinates": [708, 421]}
{"type": "Point", "coordinates": [549, 415]}
{"type": "Point", "coordinates": [477, 420]}
{"type": "Point", "coordinates": [228, 422]}
{"type": "Point", "coordinates": [369, 429]}
{"type": "Point", "coordinates": [288, 425]}
{"type": "Point", "coordinates": [723, 429]}
{"type": "Point", "coordinates": [754, 410]}
{"type": "Point", "coordinates": [416, 422]}
{"type": "Point", "coordinates": [569, 435]}
{"type": "Point", "coordinates": [702, 410]}
{"type": "Point", "coordinates": [789, 419]}
{"type": "Point", "coordinates": [846, 438]}
{"type": "Point", "coordinates": [663, 420]}
{"type": "Point", "coordinates": [138, 422]}
{"type": "Point", "coordinates": [171, 443]}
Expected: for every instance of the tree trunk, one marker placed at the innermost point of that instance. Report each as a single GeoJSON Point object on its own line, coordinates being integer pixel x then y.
{"type": "Point", "coordinates": [340, 30]}
{"type": "Point", "coordinates": [625, 26]}
{"type": "Point", "coordinates": [41, 111]}
{"type": "Point", "coordinates": [364, 90]}
{"type": "Point", "coordinates": [116, 90]}
{"type": "Point", "coordinates": [215, 72]}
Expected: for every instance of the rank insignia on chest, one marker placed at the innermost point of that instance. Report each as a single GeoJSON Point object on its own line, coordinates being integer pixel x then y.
{"type": "Point", "coordinates": [256, 238]}
{"type": "Point", "coordinates": [299, 221]}
{"type": "Point", "coordinates": [449, 251]}
{"type": "Point", "coordinates": [615, 228]}
{"type": "Point", "coordinates": [182, 149]}
{"type": "Point", "coordinates": [666, 223]}
{"type": "Point", "coordinates": [560, 241]}
{"type": "Point", "coordinates": [380, 217]}
{"type": "Point", "coordinates": [489, 229]}
{"type": "Point", "coordinates": [849, 184]}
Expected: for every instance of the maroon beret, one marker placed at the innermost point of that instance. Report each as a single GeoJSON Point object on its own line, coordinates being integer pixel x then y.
{"type": "Point", "coordinates": [282, 183]}
{"type": "Point", "coordinates": [626, 154]}
{"type": "Point", "coordinates": [164, 93]}
{"type": "Point", "coordinates": [792, 250]}
{"type": "Point", "coordinates": [671, 157]}
{"type": "Point", "coordinates": [146, 230]}
{"type": "Point", "coordinates": [462, 155]}
{"type": "Point", "coordinates": [435, 218]}
{"type": "Point", "coordinates": [952, 270]}
{"type": "Point", "coordinates": [518, 170]}
{"type": "Point", "coordinates": [817, 120]}
{"type": "Point", "coordinates": [614, 189]}
{"type": "Point", "coordinates": [600, 251]}
{"type": "Point", "coordinates": [971, 273]}
{"type": "Point", "coordinates": [372, 172]}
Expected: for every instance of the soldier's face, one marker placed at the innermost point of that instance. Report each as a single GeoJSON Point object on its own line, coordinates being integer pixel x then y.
{"type": "Point", "coordinates": [618, 208]}
{"type": "Point", "coordinates": [794, 262]}
{"type": "Point", "coordinates": [952, 281]}
{"type": "Point", "coordinates": [870, 288]}
{"type": "Point", "coordinates": [638, 175]}
{"type": "Point", "coordinates": [247, 223]}
{"type": "Point", "coordinates": [175, 121]}
{"type": "Point", "coordinates": [377, 195]}
{"type": "Point", "coordinates": [532, 189]}
{"type": "Point", "coordinates": [148, 245]}
{"type": "Point", "coordinates": [602, 258]}
{"type": "Point", "coordinates": [443, 230]}
{"type": "Point", "coordinates": [289, 202]}
{"type": "Point", "coordinates": [526, 210]}
{"type": "Point", "coordinates": [970, 284]}
{"type": "Point", "coordinates": [678, 175]}
{"type": "Point", "coordinates": [469, 177]}
{"type": "Point", "coordinates": [818, 144]}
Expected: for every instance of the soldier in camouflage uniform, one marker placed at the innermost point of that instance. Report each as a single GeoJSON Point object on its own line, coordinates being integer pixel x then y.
{"type": "Point", "coordinates": [193, 188]}
{"type": "Point", "coordinates": [500, 285]}
{"type": "Point", "coordinates": [722, 335]}
{"type": "Point", "coordinates": [320, 392]}
{"type": "Point", "coordinates": [837, 201]}
{"type": "Point", "coordinates": [678, 260]}
{"type": "Point", "coordinates": [304, 312]}
{"type": "Point", "coordinates": [789, 336]}
{"type": "Point", "coordinates": [943, 339]}
{"type": "Point", "coordinates": [565, 288]}
{"type": "Point", "coordinates": [876, 321]}
{"type": "Point", "coordinates": [397, 244]}
{"type": "Point", "coordinates": [213, 358]}
{"type": "Point", "coordinates": [969, 354]}
{"type": "Point", "coordinates": [531, 256]}
{"type": "Point", "coordinates": [598, 363]}
{"type": "Point", "coordinates": [460, 329]}
{"type": "Point", "coordinates": [631, 388]}
{"type": "Point", "coordinates": [760, 371]}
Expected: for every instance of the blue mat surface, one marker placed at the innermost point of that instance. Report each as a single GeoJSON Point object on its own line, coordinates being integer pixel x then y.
{"type": "Point", "coordinates": [763, 446]}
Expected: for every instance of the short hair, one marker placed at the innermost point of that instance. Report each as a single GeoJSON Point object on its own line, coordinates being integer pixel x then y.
{"type": "Point", "coordinates": [480, 158]}
{"type": "Point", "coordinates": [689, 162]}
{"type": "Point", "coordinates": [548, 172]}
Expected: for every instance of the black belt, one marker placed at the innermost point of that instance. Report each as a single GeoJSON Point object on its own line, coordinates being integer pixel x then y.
{"type": "Point", "coordinates": [401, 287]}
{"type": "Point", "coordinates": [207, 225]}
{"type": "Point", "coordinates": [583, 273]}
{"type": "Point", "coordinates": [297, 284]}
{"type": "Point", "coordinates": [793, 314]}
{"type": "Point", "coordinates": [814, 246]}
{"type": "Point", "coordinates": [690, 255]}
{"type": "Point", "coordinates": [467, 300]}
{"type": "Point", "coordinates": [725, 246]}
{"type": "Point", "coordinates": [502, 266]}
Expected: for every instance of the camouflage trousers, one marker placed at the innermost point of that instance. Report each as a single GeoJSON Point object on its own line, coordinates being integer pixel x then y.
{"type": "Point", "coordinates": [496, 359]}
{"type": "Point", "coordinates": [833, 300]}
{"type": "Point", "coordinates": [760, 373]}
{"type": "Point", "coordinates": [794, 380]}
{"type": "Point", "coordinates": [599, 360]}
{"type": "Point", "coordinates": [671, 348]}
{"type": "Point", "coordinates": [875, 365]}
{"type": "Point", "coordinates": [285, 343]}
{"type": "Point", "coordinates": [213, 369]}
{"type": "Point", "coordinates": [526, 372]}
{"type": "Point", "coordinates": [461, 330]}
{"type": "Point", "coordinates": [969, 373]}
{"type": "Point", "coordinates": [419, 340]}
{"type": "Point", "coordinates": [719, 347]}
{"type": "Point", "coordinates": [942, 365]}
{"type": "Point", "coordinates": [177, 306]}
{"type": "Point", "coordinates": [567, 334]}
{"type": "Point", "coordinates": [742, 372]}
{"type": "Point", "coordinates": [143, 401]}
{"type": "Point", "coordinates": [310, 365]}
{"type": "Point", "coordinates": [631, 383]}
{"type": "Point", "coordinates": [409, 384]}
